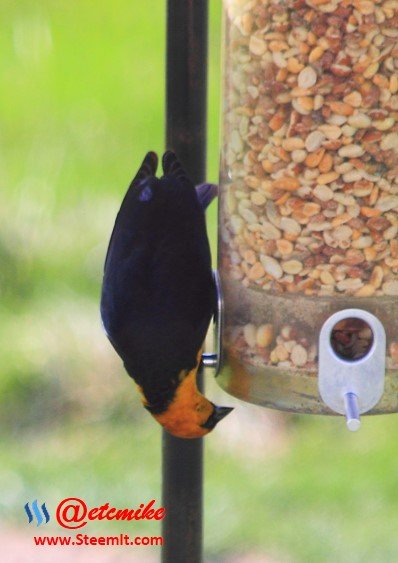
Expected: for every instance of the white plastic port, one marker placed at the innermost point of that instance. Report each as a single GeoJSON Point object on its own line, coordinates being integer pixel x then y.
{"type": "Point", "coordinates": [352, 386]}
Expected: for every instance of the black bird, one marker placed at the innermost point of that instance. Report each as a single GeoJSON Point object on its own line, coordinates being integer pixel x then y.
{"type": "Point", "coordinates": [158, 294]}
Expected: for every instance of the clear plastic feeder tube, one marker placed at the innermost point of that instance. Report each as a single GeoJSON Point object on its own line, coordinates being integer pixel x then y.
{"type": "Point", "coordinates": [309, 191]}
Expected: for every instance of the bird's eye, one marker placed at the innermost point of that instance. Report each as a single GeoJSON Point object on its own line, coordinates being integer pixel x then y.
{"type": "Point", "coordinates": [146, 194]}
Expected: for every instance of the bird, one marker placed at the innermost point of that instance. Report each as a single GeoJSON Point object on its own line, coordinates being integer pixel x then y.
{"type": "Point", "coordinates": [159, 296]}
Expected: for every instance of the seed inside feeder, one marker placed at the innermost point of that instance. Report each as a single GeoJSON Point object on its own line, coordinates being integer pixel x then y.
{"type": "Point", "coordinates": [351, 339]}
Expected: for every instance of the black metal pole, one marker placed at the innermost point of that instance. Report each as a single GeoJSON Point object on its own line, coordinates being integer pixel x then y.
{"type": "Point", "coordinates": [186, 96]}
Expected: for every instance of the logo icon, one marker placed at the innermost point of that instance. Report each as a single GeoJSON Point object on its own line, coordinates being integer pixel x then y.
{"type": "Point", "coordinates": [36, 511]}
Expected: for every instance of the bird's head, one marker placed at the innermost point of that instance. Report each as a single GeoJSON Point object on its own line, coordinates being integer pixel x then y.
{"type": "Point", "coordinates": [192, 420]}
{"type": "Point", "coordinates": [190, 414]}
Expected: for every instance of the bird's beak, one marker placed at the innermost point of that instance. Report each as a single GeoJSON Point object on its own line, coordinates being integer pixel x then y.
{"type": "Point", "coordinates": [218, 414]}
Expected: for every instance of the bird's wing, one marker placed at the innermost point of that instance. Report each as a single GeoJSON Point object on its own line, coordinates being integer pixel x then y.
{"type": "Point", "coordinates": [122, 252]}
{"type": "Point", "coordinates": [146, 170]}
{"type": "Point", "coordinates": [148, 167]}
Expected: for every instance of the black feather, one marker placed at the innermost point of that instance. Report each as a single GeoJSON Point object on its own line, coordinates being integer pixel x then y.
{"type": "Point", "coordinates": [172, 167]}
{"type": "Point", "coordinates": [147, 170]}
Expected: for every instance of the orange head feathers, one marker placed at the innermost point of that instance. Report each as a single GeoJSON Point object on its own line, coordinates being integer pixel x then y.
{"type": "Point", "coordinates": [190, 414]}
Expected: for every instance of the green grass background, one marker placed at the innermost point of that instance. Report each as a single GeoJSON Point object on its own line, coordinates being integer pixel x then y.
{"type": "Point", "coordinates": [81, 100]}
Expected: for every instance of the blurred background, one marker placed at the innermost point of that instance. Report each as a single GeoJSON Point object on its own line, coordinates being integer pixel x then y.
{"type": "Point", "coordinates": [81, 101]}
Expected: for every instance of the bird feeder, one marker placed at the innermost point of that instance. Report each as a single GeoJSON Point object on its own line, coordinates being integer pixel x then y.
{"type": "Point", "coordinates": [308, 222]}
